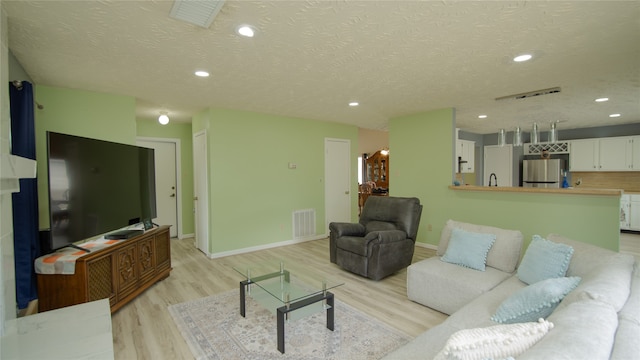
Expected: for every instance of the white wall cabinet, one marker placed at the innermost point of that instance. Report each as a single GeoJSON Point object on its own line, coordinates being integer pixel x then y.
{"type": "Point", "coordinates": [584, 155]}
{"type": "Point", "coordinates": [465, 149]}
{"type": "Point", "coordinates": [635, 153]}
{"type": "Point", "coordinates": [605, 154]}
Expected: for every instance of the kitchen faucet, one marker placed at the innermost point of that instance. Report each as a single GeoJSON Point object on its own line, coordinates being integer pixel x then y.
{"type": "Point", "coordinates": [493, 175]}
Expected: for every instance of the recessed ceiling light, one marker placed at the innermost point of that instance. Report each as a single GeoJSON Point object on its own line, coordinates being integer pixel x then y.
{"type": "Point", "coordinates": [354, 103]}
{"type": "Point", "coordinates": [482, 116]}
{"type": "Point", "coordinates": [246, 30]}
{"type": "Point", "coordinates": [523, 57]}
{"type": "Point", "coordinates": [602, 99]}
{"type": "Point", "coordinates": [614, 115]}
{"type": "Point", "coordinates": [201, 73]}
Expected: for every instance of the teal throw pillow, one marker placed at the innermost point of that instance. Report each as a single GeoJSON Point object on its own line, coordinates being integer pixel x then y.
{"type": "Point", "coordinates": [535, 301]}
{"type": "Point", "coordinates": [468, 249]}
{"type": "Point", "coordinates": [543, 260]}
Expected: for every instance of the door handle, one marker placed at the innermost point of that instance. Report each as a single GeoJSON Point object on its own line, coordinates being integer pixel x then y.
{"type": "Point", "coordinates": [172, 195]}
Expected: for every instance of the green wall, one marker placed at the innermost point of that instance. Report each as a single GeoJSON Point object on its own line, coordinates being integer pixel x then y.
{"type": "Point", "coordinates": [252, 191]}
{"type": "Point", "coordinates": [182, 131]}
{"type": "Point", "coordinates": [83, 113]}
{"type": "Point", "coordinates": [422, 145]}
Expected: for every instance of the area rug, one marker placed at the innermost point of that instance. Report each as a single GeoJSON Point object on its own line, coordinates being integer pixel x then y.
{"type": "Point", "coordinates": [214, 329]}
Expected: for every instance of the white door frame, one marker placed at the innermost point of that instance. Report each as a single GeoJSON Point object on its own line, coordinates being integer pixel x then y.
{"type": "Point", "coordinates": [326, 192]}
{"type": "Point", "coordinates": [178, 160]}
{"type": "Point", "coordinates": [201, 197]}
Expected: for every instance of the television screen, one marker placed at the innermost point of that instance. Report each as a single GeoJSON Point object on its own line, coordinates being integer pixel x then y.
{"type": "Point", "coordinates": [97, 186]}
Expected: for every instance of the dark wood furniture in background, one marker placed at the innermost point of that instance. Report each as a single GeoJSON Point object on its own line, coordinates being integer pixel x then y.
{"type": "Point", "coordinates": [120, 273]}
{"type": "Point", "coordinates": [378, 169]}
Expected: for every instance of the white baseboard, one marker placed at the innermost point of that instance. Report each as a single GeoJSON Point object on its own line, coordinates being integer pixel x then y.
{"type": "Point", "coordinates": [428, 246]}
{"type": "Point", "coordinates": [266, 246]}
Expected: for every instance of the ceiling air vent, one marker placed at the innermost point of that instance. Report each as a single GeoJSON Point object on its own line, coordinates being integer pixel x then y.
{"type": "Point", "coordinates": [196, 12]}
{"type": "Point", "coordinates": [530, 94]}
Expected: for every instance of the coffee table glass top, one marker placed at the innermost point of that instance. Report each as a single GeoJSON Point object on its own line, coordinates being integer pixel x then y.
{"type": "Point", "coordinates": [286, 281]}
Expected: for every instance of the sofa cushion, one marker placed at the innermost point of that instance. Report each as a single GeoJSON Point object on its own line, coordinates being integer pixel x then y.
{"type": "Point", "coordinates": [609, 282]}
{"type": "Point", "coordinates": [534, 301]}
{"type": "Point", "coordinates": [468, 249]}
{"type": "Point", "coordinates": [494, 342]}
{"type": "Point", "coordinates": [585, 256]}
{"type": "Point", "coordinates": [543, 260]}
{"type": "Point", "coordinates": [626, 345]}
{"type": "Point", "coordinates": [353, 244]}
{"type": "Point", "coordinates": [505, 252]}
{"type": "Point", "coordinates": [447, 287]}
{"type": "Point", "coordinates": [582, 330]}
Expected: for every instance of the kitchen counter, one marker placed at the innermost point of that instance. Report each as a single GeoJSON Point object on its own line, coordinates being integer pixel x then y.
{"type": "Point", "coordinates": [568, 191]}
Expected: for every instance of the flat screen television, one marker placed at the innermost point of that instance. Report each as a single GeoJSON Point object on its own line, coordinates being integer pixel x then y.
{"type": "Point", "coordinates": [96, 187]}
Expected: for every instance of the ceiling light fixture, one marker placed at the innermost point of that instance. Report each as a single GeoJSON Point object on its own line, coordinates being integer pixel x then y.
{"type": "Point", "coordinates": [614, 115]}
{"type": "Point", "coordinates": [482, 116]}
{"type": "Point", "coordinates": [354, 103]}
{"type": "Point", "coordinates": [202, 73]}
{"type": "Point", "coordinates": [523, 57]}
{"type": "Point", "coordinates": [602, 99]}
{"type": "Point", "coordinates": [163, 118]}
{"type": "Point", "coordinates": [246, 30]}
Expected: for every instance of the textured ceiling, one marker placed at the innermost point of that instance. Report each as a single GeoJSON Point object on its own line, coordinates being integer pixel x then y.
{"type": "Point", "coordinates": [310, 58]}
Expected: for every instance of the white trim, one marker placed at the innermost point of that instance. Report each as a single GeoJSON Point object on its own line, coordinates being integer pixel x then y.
{"type": "Point", "coordinates": [428, 246]}
{"type": "Point", "coordinates": [264, 247]}
{"type": "Point", "coordinates": [177, 144]}
{"type": "Point", "coordinates": [204, 133]}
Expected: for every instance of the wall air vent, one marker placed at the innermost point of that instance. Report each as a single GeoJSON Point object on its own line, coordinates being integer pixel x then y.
{"type": "Point", "coordinates": [196, 12]}
{"type": "Point", "coordinates": [530, 94]}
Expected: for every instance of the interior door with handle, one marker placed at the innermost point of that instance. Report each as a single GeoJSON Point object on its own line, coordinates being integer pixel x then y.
{"type": "Point", "coordinates": [166, 179]}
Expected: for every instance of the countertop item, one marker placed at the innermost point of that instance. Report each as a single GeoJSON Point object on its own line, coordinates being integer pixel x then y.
{"type": "Point", "coordinates": [567, 191]}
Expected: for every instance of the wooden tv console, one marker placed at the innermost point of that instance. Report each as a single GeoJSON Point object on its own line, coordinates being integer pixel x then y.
{"type": "Point", "coordinates": [120, 273]}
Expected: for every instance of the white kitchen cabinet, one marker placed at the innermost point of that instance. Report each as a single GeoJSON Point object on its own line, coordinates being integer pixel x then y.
{"type": "Point", "coordinates": [615, 154]}
{"type": "Point", "coordinates": [635, 153]}
{"type": "Point", "coordinates": [625, 202]}
{"type": "Point", "coordinates": [634, 212]}
{"type": "Point", "coordinates": [604, 154]}
{"type": "Point", "coordinates": [465, 149]}
{"type": "Point", "coordinates": [584, 155]}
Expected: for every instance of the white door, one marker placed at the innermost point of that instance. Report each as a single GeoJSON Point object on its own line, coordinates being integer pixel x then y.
{"type": "Point", "coordinates": [498, 160]}
{"type": "Point", "coordinates": [166, 182]}
{"type": "Point", "coordinates": [337, 186]}
{"type": "Point", "coordinates": [201, 191]}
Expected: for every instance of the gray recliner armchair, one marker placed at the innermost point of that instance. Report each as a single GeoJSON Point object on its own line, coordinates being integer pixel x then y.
{"type": "Point", "coordinates": [382, 242]}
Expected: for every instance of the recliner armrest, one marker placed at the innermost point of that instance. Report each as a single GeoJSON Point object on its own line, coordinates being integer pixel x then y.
{"type": "Point", "coordinates": [385, 236]}
{"type": "Point", "coordinates": [347, 229]}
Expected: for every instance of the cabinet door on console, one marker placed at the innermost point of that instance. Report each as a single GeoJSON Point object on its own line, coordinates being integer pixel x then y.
{"type": "Point", "coordinates": [127, 270]}
{"type": "Point", "coordinates": [100, 279]}
{"type": "Point", "coordinates": [163, 251]}
{"type": "Point", "coordinates": [146, 258]}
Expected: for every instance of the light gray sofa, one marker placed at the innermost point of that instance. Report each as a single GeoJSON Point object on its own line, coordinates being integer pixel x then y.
{"type": "Point", "coordinates": [599, 319]}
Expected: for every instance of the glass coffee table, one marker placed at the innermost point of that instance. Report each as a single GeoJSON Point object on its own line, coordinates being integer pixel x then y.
{"type": "Point", "coordinates": [288, 289]}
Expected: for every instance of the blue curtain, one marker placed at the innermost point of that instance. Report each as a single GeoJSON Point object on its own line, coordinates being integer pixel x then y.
{"type": "Point", "coordinates": [25, 202]}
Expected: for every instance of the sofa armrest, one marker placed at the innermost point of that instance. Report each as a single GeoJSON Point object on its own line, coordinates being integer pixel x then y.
{"type": "Point", "coordinates": [346, 229]}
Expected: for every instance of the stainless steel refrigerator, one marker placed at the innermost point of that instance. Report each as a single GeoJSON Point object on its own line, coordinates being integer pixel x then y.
{"type": "Point", "coordinates": [542, 173]}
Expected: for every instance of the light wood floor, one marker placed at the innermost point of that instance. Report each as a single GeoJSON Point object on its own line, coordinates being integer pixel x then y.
{"type": "Point", "coordinates": [144, 329]}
